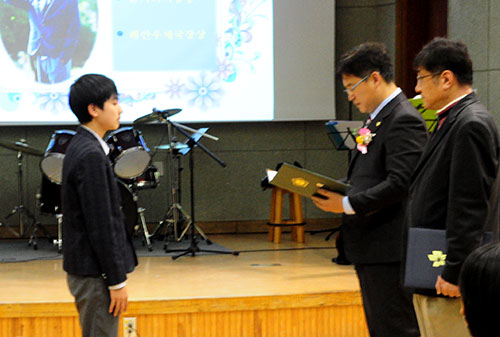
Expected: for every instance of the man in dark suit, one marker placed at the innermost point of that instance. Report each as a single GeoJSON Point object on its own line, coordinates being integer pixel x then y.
{"type": "Point", "coordinates": [97, 248]}
{"type": "Point", "coordinates": [388, 149]}
{"type": "Point", "coordinates": [54, 32]}
{"type": "Point", "coordinates": [454, 186]}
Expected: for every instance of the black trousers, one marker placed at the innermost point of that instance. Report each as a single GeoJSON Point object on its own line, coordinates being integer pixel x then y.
{"type": "Point", "coordinates": [92, 301]}
{"type": "Point", "coordinates": [388, 306]}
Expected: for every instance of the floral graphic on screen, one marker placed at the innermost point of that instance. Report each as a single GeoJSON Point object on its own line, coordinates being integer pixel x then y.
{"type": "Point", "coordinates": [204, 91]}
{"type": "Point", "coordinates": [174, 88]}
{"type": "Point", "coordinates": [53, 101]}
{"type": "Point", "coordinates": [225, 70]}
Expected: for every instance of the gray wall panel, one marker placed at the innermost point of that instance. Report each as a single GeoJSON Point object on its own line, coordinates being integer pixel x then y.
{"type": "Point", "coordinates": [468, 21]}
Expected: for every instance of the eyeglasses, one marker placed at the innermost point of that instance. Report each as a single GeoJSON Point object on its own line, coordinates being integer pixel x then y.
{"type": "Point", "coordinates": [351, 89]}
{"type": "Point", "coordinates": [424, 76]}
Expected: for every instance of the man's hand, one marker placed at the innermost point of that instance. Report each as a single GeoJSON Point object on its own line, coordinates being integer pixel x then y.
{"type": "Point", "coordinates": [447, 288]}
{"type": "Point", "coordinates": [119, 301]}
{"type": "Point", "coordinates": [332, 204]}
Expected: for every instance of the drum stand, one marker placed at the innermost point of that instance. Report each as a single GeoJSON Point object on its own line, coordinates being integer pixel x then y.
{"type": "Point", "coordinates": [177, 209]}
{"type": "Point", "coordinates": [176, 215]}
{"type": "Point", "coordinates": [143, 228]}
{"type": "Point", "coordinates": [23, 211]}
{"type": "Point", "coordinates": [140, 211]}
{"type": "Point", "coordinates": [9, 229]}
{"type": "Point", "coordinates": [193, 247]}
{"type": "Point", "coordinates": [58, 242]}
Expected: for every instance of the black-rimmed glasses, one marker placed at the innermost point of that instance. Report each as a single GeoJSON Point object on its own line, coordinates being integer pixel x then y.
{"type": "Point", "coordinates": [351, 89]}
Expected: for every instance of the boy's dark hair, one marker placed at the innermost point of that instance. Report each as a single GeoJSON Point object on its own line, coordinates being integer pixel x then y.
{"type": "Point", "coordinates": [443, 54]}
{"type": "Point", "coordinates": [366, 58]}
{"type": "Point", "coordinates": [90, 89]}
{"type": "Point", "coordinates": [480, 289]}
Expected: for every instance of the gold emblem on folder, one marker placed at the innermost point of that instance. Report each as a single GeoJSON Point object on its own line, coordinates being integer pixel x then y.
{"type": "Point", "coordinates": [437, 258]}
{"type": "Point", "coordinates": [300, 182]}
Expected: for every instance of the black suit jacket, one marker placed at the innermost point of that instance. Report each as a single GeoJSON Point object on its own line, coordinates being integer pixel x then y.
{"type": "Point", "coordinates": [380, 181]}
{"type": "Point", "coordinates": [455, 184]}
{"type": "Point", "coordinates": [95, 239]}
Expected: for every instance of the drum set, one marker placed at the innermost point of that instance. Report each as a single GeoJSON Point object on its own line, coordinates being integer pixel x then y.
{"type": "Point", "coordinates": [131, 159]}
{"type": "Point", "coordinates": [131, 164]}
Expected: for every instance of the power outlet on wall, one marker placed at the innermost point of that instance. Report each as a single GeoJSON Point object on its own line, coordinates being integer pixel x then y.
{"type": "Point", "coordinates": [129, 327]}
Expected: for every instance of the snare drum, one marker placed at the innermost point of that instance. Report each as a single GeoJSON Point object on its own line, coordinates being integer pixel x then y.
{"type": "Point", "coordinates": [147, 180]}
{"type": "Point", "coordinates": [52, 162]}
{"type": "Point", "coordinates": [129, 152]}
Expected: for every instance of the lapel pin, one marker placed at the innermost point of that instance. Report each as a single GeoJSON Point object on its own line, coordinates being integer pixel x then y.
{"type": "Point", "coordinates": [378, 124]}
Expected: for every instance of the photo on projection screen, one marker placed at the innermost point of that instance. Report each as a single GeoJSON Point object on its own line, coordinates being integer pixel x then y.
{"type": "Point", "coordinates": [211, 58]}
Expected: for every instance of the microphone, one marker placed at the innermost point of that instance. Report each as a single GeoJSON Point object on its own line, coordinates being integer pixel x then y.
{"type": "Point", "coordinates": [166, 113]}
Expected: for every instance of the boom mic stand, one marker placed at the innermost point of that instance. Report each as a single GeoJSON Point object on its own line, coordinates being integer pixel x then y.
{"type": "Point", "coordinates": [192, 143]}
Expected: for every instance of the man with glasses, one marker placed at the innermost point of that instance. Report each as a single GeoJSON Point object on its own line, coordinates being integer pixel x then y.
{"type": "Point", "coordinates": [454, 186]}
{"type": "Point", "coordinates": [389, 147]}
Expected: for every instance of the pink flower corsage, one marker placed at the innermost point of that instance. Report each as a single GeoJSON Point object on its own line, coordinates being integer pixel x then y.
{"type": "Point", "coordinates": [363, 139]}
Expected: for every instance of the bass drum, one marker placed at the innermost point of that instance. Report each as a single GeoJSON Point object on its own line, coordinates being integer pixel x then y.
{"type": "Point", "coordinates": [129, 206]}
{"type": "Point", "coordinates": [49, 198]}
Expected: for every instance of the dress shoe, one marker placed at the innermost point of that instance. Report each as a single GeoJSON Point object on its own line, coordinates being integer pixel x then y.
{"type": "Point", "coordinates": [341, 261]}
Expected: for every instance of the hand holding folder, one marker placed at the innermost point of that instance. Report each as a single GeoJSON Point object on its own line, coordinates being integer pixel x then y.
{"type": "Point", "coordinates": [329, 201]}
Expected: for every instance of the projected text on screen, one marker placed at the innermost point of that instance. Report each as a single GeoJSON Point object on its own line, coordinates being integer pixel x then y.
{"type": "Point", "coordinates": [211, 58]}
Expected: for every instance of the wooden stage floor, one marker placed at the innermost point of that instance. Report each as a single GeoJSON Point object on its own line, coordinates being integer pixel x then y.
{"type": "Point", "coordinates": [285, 289]}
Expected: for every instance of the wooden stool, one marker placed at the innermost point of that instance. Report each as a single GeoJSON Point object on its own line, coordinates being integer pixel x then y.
{"type": "Point", "coordinates": [276, 221]}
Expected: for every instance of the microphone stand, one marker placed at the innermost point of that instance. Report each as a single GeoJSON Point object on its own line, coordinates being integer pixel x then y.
{"type": "Point", "coordinates": [192, 143]}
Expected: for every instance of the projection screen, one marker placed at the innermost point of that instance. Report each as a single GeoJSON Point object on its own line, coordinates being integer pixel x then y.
{"type": "Point", "coordinates": [217, 60]}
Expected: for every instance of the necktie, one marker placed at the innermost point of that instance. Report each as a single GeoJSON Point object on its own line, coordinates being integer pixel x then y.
{"type": "Point", "coordinates": [442, 117]}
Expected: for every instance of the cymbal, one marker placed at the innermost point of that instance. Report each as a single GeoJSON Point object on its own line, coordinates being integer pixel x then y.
{"type": "Point", "coordinates": [157, 116]}
{"type": "Point", "coordinates": [21, 146]}
{"type": "Point", "coordinates": [177, 146]}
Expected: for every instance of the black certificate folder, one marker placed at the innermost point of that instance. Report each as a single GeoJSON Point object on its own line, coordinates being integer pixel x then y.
{"type": "Point", "coordinates": [303, 182]}
{"type": "Point", "coordinates": [426, 256]}
{"type": "Point", "coordinates": [342, 133]}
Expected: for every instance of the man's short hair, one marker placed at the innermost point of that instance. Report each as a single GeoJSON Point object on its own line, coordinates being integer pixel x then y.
{"type": "Point", "coordinates": [365, 59]}
{"type": "Point", "coordinates": [443, 54]}
{"type": "Point", "coordinates": [90, 89]}
{"type": "Point", "coordinates": [479, 287]}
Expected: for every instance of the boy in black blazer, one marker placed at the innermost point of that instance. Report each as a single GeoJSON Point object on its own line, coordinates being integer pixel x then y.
{"type": "Point", "coordinates": [97, 250]}
{"type": "Point", "coordinates": [388, 149]}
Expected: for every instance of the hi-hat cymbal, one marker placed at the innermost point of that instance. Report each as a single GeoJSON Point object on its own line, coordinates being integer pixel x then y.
{"type": "Point", "coordinates": [157, 115]}
{"type": "Point", "coordinates": [21, 146]}
{"type": "Point", "coordinates": [177, 146]}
